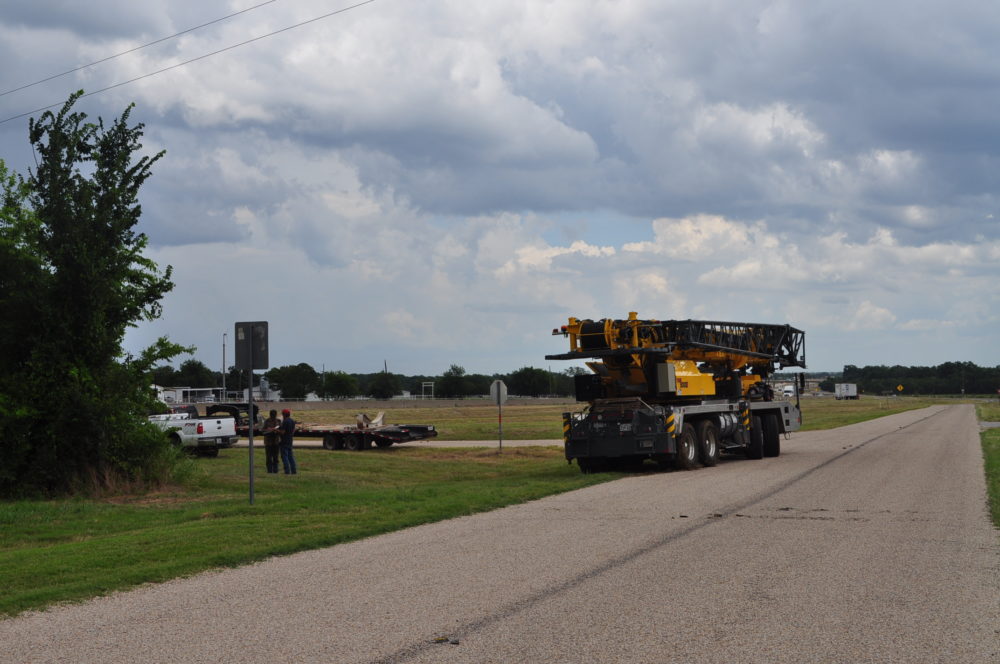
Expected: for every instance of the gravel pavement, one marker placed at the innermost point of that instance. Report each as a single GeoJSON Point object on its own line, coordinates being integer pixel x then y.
{"type": "Point", "coordinates": [869, 543]}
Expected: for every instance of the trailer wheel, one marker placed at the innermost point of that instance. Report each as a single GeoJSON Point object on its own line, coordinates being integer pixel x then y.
{"type": "Point", "coordinates": [383, 443]}
{"type": "Point", "coordinates": [755, 448]}
{"type": "Point", "coordinates": [329, 442]}
{"type": "Point", "coordinates": [772, 437]}
{"type": "Point", "coordinates": [353, 442]}
{"type": "Point", "coordinates": [708, 443]}
{"type": "Point", "coordinates": [687, 449]}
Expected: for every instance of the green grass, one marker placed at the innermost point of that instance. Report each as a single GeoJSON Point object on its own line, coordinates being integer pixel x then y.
{"type": "Point", "coordinates": [60, 550]}
{"type": "Point", "coordinates": [828, 413]}
{"type": "Point", "coordinates": [991, 457]}
{"type": "Point", "coordinates": [465, 420]}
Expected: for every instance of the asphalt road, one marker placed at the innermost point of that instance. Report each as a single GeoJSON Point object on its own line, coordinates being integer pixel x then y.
{"type": "Point", "coordinates": [869, 543]}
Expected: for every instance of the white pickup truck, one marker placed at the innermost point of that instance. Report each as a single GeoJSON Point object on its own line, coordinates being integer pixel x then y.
{"type": "Point", "coordinates": [204, 436]}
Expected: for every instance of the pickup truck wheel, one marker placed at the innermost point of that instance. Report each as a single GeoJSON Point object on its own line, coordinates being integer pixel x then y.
{"type": "Point", "coordinates": [755, 448]}
{"type": "Point", "coordinates": [353, 442]}
{"type": "Point", "coordinates": [708, 443]}
{"type": "Point", "coordinates": [687, 449]}
{"type": "Point", "coordinates": [211, 452]}
{"type": "Point", "coordinates": [772, 437]}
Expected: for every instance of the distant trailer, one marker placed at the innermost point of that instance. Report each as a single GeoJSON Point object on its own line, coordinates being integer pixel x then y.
{"type": "Point", "coordinates": [363, 435]}
{"type": "Point", "coordinates": [845, 391]}
{"type": "Point", "coordinates": [356, 438]}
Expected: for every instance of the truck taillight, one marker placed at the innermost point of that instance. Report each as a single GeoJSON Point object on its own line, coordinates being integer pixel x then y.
{"type": "Point", "coordinates": [201, 428]}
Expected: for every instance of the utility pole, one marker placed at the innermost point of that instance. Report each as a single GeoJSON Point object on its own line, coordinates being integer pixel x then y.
{"type": "Point", "coordinates": [224, 366]}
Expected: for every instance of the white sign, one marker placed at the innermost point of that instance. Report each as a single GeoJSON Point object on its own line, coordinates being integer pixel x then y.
{"type": "Point", "coordinates": [498, 392]}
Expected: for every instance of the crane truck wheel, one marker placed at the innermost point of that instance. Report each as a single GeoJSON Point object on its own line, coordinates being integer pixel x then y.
{"type": "Point", "coordinates": [687, 449]}
{"type": "Point", "coordinates": [708, 443]}
{"type": "Point", "coordinates": [772, 437]}
{"type": "Point", "coordinates": [755, 448]}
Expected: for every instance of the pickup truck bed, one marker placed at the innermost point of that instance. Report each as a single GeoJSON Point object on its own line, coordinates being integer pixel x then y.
{"type": "Point", "coordinates": [204, 436]}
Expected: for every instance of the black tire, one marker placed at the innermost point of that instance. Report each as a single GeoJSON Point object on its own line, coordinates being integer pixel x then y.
{"type": "Point", "coordinates": [329, 442]}
{"type": "Point", "coordinates": [383, 443]}
{"type": "Point", "coordinates": [755, 448]}
{"type": "Point", "coordinates": [175, 440]}
{"type": "Point", "coordinates": [772, 436]}
{"type": "Point", "coordinates": [586, 467]}
{"type": "Point", "coordinates": [210, 452]}
{"type": "Point", "coordinates": [708, 443]}
{"type": "Point", "coordinates": [353, 442]}
{"type": "Point", "coordinates": [687, 449]}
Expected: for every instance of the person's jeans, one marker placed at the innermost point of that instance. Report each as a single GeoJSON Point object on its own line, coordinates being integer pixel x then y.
{"type": "Point", "coordinates": [287, 459]}
{"type": "Point", "coordinates": [271, 457]}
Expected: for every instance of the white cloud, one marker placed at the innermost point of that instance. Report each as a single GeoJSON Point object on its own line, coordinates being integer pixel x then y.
{"type": "Point", "coordinates": [462, 176]}
{"type": "Point", "coordinates": [869, 316]}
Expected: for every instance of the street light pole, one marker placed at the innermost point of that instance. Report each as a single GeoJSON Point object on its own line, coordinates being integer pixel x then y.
{"type": "Point", "coordinates": [224, 366]}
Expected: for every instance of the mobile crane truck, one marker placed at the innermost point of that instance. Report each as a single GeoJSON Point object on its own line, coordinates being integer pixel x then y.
{"type": "Point", "coordinates": [679, 392]}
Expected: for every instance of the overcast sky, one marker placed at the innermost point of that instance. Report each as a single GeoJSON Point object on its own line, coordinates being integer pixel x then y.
{"type": "Point", "coordinates": [442, 182]}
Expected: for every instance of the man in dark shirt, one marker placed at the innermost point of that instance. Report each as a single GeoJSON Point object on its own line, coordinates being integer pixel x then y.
{"type": "Point", "coordinates": [287, 430]}
{"type": "Point", "coordinates": [271, 436]}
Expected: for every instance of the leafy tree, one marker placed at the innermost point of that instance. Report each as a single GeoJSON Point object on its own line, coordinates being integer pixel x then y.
{"type": "Point", "coordinates": [479, 383]}
{"type": "Point", "coordinates": [73, 280]}
{"type": "Point", "coordinates": [529, 381]}
{"type": "Point", "coordinates": [193, 373]}
{"type": "Point", "coordinates": [165, 376]}
{"type": "Point", "coordinates": [385, 385]}
{"type": "Point", "coordinates": [236, 379]}
{"type": "Point", "coordinates": [294, 381]}
{"type": "Point", "coordinates": [453, 383]}
{"type": "Point", "coordinates": [337, 385]}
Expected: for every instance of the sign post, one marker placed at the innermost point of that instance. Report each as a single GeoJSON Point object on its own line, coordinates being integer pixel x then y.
{"type": "Point", "coordinates": [251, 353]}
{"type": "Point", "coordinates": [498, 394]}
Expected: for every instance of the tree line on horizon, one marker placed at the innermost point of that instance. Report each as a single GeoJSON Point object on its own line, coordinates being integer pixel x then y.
{"type": "Point", "coordinates": [297, 381]}
{"type": "Point", "coordinates": [946, 378]}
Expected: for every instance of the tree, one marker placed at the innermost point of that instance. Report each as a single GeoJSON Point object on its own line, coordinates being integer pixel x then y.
{"type": "Point", "coordinates": [337, 385]}
{"type": "Point", "coordinates": [385, 385]}
{"type": "Point", "coordinates": [294, 381]}
{"type": "Point", "coordinates": [453, 383]}
{"type": "Point", "coordinates": [73, 280]}
{"type": "Point", "coordinates": [529, 381]}
{"type": "Point", "coordinates": [194, 373]}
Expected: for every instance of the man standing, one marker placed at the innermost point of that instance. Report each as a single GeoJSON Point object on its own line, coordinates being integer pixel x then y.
{"type": "Point", "coordinates": [271, 437]}
{"type": "Point", "coordinates": [287, 430]}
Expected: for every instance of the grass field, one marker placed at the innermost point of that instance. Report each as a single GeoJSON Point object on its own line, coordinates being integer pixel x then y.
{"type": "Point", "coordinates": [59, 550]}
{"type": "Point", "coordinates": [991, 457]}
{"type": "Point", "coordinates": [474, 420]}
{"type": "Point", "coordinates": [64, 550]}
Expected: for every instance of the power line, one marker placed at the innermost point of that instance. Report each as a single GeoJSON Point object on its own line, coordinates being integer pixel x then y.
{"type": "Point", "coordinates": [200, 57]}
{"type": "Point", "coordinates": [133, 50]}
